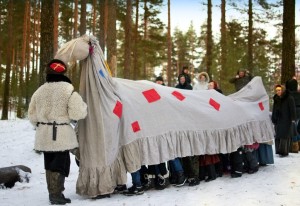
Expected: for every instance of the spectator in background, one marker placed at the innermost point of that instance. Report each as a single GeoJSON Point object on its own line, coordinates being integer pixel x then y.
{"type": "Point", "coordinates": [159, 80]}
{"type": "Point", "coordinates": [292, 87]}
{"type": "Point", "coordinates": [185, 72]}
{"type": "Point", "coordinates": [242, 78]}
{"type": "Point", "coordinates": [182, 83]}
{"type": "Point", "coordinates": [283, 116]}
{"type": "Point", "coordinates": [202, 81]}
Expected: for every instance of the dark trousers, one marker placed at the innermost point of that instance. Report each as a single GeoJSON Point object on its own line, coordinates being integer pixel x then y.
{"type": "Point", "coordinates": [236, 161]}
{"type": "Point", "coordinates": [191, 166]}
{"type": "Point", "coordinates": [58, 162]}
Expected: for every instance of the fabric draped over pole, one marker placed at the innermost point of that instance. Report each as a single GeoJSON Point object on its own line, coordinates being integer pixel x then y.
{"type": "Point", "coordinates": [134, 123]}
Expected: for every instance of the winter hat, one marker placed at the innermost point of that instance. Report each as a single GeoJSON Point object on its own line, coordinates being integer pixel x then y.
{"type": "Point", "coordinates": [56, 66]}
{"type": "Point", "coordinates": [291, 85]}
{"type": "Point", "coordinates": [159, 78]}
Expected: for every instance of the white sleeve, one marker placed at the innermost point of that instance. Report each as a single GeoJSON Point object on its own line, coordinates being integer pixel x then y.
{"type": "Point", "coordinates": [77, 108]}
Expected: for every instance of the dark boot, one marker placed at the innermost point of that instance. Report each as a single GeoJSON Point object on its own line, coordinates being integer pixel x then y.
{"type": "Point", "coordinates": [55, 184]}
{"type": "Point", "coordinates": [252, 162]}
{"type": "Point", "coordinates": [134, 190]}
{"type": "Point", "coordinates": [160, 182]}
{"type": "Point", "coordinates": [211, 172]}
{"type": "Point", "coordinates": [202, 173]}
{"type": "Point", "coordinates": [181, 179]}
{"type": "Point", "coordinates": [173, 178]}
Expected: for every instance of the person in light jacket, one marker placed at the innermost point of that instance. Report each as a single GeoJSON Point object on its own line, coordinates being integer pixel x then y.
{"type": "Point", "coordinates": [203, 81]}
{"type": "Point", "coordinates": [52, 107]}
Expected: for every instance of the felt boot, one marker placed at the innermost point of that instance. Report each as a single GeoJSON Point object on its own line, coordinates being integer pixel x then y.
{"type": "Point", "coordinates": [55, 185]}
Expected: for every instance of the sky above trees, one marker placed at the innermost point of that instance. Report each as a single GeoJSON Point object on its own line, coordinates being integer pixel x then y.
{"type": "Point", "coordinates": [185, 12]}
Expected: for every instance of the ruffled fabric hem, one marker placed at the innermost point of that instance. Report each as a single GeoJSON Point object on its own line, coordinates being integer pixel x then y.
{"type": "Point", "coordinates": [154, 150]}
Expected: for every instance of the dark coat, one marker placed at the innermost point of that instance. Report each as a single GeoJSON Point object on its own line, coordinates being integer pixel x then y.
{"type": "Point", "coordinates": [239, 83]}
{"type": "Point", "coordinates": [187, 77]}
{"type": "Point", "coordinates": [186, 85]}
{"type": "Point", "coordinates": [296, 96]}
{"type": "Point", "coordinates": [284, 112]}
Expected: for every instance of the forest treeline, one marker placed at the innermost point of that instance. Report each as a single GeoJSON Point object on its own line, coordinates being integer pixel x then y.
{"type": "Point", "coordinates": [136, 41]}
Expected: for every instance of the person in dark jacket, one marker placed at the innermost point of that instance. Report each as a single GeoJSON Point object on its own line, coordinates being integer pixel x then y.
{"type": "Point", "coordinates": [182, 83]}
{"type": "Point", "coordinates": [283, 115]}
{"type": "Point", "coordinates": [242, 78]}
{"type": "Point", "coordinates": [292, 87]}
{"type": "Point", "coordinates": [185, 72]}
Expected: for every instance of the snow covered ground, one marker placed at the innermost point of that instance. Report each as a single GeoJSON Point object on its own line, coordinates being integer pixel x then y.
{"type": "Point", "coordinates": [277, 184]}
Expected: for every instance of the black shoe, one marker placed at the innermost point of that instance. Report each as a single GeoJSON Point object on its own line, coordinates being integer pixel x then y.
{"type": "Point", "coordinates": [160, 182]}
{"type": "Point", "coordinates": [67, 199]}
{"type": "Point", "coordinates": [120, 189]}
{"type": "Point", "coordinates": [147, 184]}
{"type": "Point", "coordinates": [236, 174]}
{"type": "Point", "coordinates": [261, 164]}
{"type": "Point", "coordinates": [173, 179]}
{"type": "Point", "coordinates": [134, 191]}
{"type": "Point", "coordinates": [101, 197]}
{"type": "Point", "coordinates": [181, 180]}
{"type": "Point", "coordinates": [58, 199]}
{"type": "Point", "coordinates": [194, 182]}
{"type": "Point", "coordinates": [210, 179]}
{"type": "Point", "coordinates": [251, 171]}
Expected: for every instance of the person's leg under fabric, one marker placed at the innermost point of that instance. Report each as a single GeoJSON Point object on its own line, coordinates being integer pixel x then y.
{"type": "Point", "coordinates": [172, 173]}
{"type": "Point", "coordinates": [211, 172]}
{"type": "Point", "coordinates": [181, 179]}
{"type": "Point", "coordinates": [159, 182]}
{"type": "Point", "coordinates": [236, 160]}
{"type": "Point", "coordinates": [145, 180]}
{"type": "Point", "coordinates": [136, 188]}
{"type": "Point", "coordinates": [194, 162]}
{"type": "Point", "coordinates": [250, 161]}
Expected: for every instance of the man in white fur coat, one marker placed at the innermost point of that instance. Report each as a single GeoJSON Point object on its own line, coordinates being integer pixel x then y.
{"type": "Point", "coordinates": [51, 110]}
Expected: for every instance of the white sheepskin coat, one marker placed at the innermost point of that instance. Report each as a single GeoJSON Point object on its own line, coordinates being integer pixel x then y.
{"type": "Point", "coordinates": [56, 101]}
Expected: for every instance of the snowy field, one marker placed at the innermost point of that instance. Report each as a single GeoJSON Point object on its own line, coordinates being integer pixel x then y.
{"type": "Point", "coordinates": [276, 185]}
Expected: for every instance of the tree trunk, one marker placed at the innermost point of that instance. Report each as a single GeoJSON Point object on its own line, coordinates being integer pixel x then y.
{"type": "Point", "coordinates": [224, 74]}
{"type": "Point", "coordinates": [47, 37]}
{"type": "Point", "coordinates": [94, 18]}
{"type": "Point", "coordinates": [102, 34]}
{"type": "Point", "coordinates": [209, 40]}
{"type": "Point", "coordinates": [250, 37]}
{"type": "Point", "coordinates": [82, 28]}
{"type": "Point", "coordinates": [111, 37]}
{"type": "Point", "coordinates": [145, 37]}
{"type": "Point", "coordinates": [6, 94]}
{"type": "Point", "coordinates": [23, 56]}
{"type": "Point", "coordinates": [55, 25]}
{"type": "Point", "coordinates": [10, 175]}
{"type": "Point", "coordinates": [75, 29]}
{"type": "Point", "coordinates": [288, 41]}
{"type": "Point", "coordinates": [127, 55]}
{"type": "Point", "coordinates": [169, 66]}
{"type": "Point", "coordinates": [135, 50]}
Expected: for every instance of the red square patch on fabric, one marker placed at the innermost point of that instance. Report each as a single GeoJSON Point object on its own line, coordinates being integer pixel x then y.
{"type": "Point", "coordinates": [261, 106]}
{"type": "Point", "coordinates": [215, 104]}
{"type": "Point", "coordinates": [135, 126]}
{"type": "Point", "coordinates": [178, 95]}
{"type": "Point", "coordinates": [118, 109]}
{"type": "Point", "coordinates": [151, 95]}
